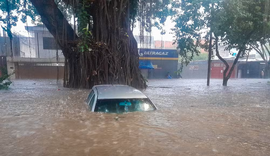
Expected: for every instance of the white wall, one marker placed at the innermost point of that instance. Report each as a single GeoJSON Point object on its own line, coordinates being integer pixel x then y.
{"type": "Point", "coordinates": [27, 47]}
{"type": "Point", "coordinates": [45, 53]}
{"type": "Point", "coordinates": [32, 47]}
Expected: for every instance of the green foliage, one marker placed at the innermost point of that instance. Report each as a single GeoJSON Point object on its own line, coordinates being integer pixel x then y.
{"type": "Point", "coordinates": [4, 79]}
{"type": "Point", "coordinates": [84, 27]}
{"type": "Point", "coordinates": [261, 42]}
{"type": "Point", "coordinates": [237, 23]}
{"type": "Point", "coordinates": [133, 5]}
{"type": "Point", "coordinates": [152, 13]}
{"type": "Point", "coordinates": [201, 57]}
{"type": "Point", "coordinates": [192, 27]}
{"type": "Point", "coordinates": [13, 10]}
{"type": "Point", "coordinates": [86, 36]}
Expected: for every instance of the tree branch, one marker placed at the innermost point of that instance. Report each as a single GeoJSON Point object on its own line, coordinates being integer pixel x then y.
{"type": "Point", "coordinates": [222, 59]}
{"type": "Point", "coordinates": [54, 20]}
{"type": "Point", "coordinates": [258, 51]}
{"type": "Point", "coordinates": [268, 52]}
{"type": "Point", "coordinates": [234, 63]}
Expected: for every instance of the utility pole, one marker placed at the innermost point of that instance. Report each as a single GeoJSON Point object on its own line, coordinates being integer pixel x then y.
{"type": "Point", "coordinates": [210, 50]}
{"type": "Point", "coordinates": [209, 59]}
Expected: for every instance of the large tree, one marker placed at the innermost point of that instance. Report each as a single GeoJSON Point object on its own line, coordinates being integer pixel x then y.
{"type": "Point", "coordinates": [104, 50]}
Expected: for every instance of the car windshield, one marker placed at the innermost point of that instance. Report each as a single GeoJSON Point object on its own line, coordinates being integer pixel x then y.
{"type": "Point", "coordinates": [123, 105]}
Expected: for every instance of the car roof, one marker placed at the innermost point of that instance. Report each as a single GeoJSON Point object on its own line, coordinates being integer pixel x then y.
{"type": "Point", "coordinates": [118, 92]}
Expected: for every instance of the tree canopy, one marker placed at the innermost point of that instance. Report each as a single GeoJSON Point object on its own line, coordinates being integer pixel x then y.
{"type": "Point", "coordinates": [14, 10]}
{"type": "Point", "coordinates": [100, 48]}
{"type": "Point", "coordinates": [234, 23]}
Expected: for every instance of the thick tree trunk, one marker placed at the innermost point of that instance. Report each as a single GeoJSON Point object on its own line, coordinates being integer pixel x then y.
{"type": "Point", "coordinates": [114, 49]}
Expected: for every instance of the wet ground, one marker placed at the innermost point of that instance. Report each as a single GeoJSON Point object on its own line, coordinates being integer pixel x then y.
{"type": "Point", "coordinates": [40, 118]}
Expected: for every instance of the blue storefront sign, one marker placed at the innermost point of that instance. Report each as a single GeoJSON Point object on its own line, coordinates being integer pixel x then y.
{"type": "Point", "coordinates": [161, 53]}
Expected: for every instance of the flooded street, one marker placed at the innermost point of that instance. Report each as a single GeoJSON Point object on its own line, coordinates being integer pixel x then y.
{"type": "Point", "coordinates": [41, 118]}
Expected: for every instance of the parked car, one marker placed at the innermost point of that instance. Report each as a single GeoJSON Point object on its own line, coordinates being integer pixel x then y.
{"type": "Point", "coordinates": [118, 99]}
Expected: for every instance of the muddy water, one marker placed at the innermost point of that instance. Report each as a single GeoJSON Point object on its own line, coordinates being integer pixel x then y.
{"type": "Point", "coordinates": [40, 118]}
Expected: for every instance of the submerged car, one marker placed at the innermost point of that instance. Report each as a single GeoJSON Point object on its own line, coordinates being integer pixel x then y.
{"type": "Point", "coordinates": [118, 99]}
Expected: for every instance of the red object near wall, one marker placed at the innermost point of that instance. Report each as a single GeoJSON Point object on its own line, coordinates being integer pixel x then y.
{"type": "Point", "coordinates": [217, 69]}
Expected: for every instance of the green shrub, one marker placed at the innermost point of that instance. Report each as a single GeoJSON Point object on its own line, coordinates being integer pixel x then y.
{"type": "Point", "coordinates": [4, 79]}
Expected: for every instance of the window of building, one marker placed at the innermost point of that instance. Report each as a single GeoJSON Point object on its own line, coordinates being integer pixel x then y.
{"type": "Point", "coordinates": [49, 43]}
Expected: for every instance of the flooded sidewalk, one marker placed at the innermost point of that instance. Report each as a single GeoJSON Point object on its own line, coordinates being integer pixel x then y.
{"type": "Point", "coordinates": [41, 118]}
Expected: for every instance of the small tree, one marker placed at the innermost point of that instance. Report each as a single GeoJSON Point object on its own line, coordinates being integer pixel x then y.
{"type": "Point", "coordinates": [193, 29]}
{"type": "Point", "coordinates": [237, 24]}
{"type": "Point", "coordinates": [234, 23]}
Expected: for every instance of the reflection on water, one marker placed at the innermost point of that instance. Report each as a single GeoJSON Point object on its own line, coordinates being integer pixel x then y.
{"type": "Point", "coordinates": [37, 118]}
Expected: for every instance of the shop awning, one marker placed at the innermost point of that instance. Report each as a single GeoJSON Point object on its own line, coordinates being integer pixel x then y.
{"type": "Point", "coordinates": [145, 64]}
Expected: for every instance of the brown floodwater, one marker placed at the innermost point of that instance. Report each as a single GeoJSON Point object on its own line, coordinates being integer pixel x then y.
{"type": "Point", "coordinates": [41, 118]}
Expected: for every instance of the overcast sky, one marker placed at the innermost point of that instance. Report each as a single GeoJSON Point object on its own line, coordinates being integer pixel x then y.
{"type": "Point", "coordinates": [169, 36]}
{"type": "Point", "coordinates": [20, 28]}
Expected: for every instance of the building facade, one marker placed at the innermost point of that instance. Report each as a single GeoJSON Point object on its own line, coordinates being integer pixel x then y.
{"type": "Point", "coordinates": [164, 62]}
{"type": "Point", "coordinates": [41, 44]}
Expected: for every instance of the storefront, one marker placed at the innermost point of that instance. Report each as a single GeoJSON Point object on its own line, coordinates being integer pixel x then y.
{"type": "Point", "coordinates": [250, 69]}
{"type": "Point", "coordinates": [157, 63]}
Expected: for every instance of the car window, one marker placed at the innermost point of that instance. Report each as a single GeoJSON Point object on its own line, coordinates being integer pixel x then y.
{"type": "Point", "coordinates": [123, 105]}
{"type": "Point", "coordinates": [90, 96]}
{"type": "Point", "coordinates": [92, 102]}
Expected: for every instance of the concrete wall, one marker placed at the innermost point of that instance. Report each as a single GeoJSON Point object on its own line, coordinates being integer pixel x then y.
{"type": "Point", "coordinates": [45, 53]}
{"type": "Point", "coordinates": [195, 70]}
{"type": "Point", "coordinates": [4, 46]}
{"type": "Point", "coordinates": [28, 47]}
{"type": "Point", "coordinates": [38, 71]}
{"type": "Point", "coordinates": [162, 67]}
{"type": "Point", "coordinates": [34, 68]}
{"type": "Point", "coordinates": [33, 47]}
{"type": "Point", "coordinates": [5, 49]}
